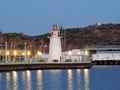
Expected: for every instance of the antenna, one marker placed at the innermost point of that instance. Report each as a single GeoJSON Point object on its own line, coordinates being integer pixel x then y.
{"type": "Point", "coordinates": [63, 32]}
{"type": "Point", "coordinates": [63, 40]}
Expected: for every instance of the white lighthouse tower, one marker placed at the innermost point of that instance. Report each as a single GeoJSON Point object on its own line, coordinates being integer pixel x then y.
{"type": "Point", "coordinates": [55, 52]}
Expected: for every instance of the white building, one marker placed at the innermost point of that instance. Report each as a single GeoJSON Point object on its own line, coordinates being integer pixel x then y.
{"type": "Point", "coordinates": [111, 52]}
{"type": "Point", "coordinates": [76, 55]}
{"type": "Point", "coordinates": [106, 55]}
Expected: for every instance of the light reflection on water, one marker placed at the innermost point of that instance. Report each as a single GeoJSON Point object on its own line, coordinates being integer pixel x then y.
{"type": "Point", "coordinates": [76, 79]}
{"type": "Point", "coordinates": [15, 80]}
{"type": "Point", "coordinates": [86, 79]}
{"type": "Point", "coordinates": [39, 80]}
{"type": "Point", "coordinates": [23, 80]}
{"type": "Point", "coordinates": [79, 79]}
{"type": "Point", "coordinates": [55, 79]}
{"type": "Point", "coordinates": [0, 79]}
{"type": "Point", "coordinates": [8, 81]}
{"type": "Point", "coordinates": [70, 81]}
{"type": "Point", "coordinates": [28, 80]}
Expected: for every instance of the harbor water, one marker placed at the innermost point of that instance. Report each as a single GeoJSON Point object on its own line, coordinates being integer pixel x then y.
{"type": "Point", "coordinates": [95, 78]}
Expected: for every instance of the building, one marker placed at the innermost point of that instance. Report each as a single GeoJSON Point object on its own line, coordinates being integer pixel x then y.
{"type": "Point", "coordinates": [109, 52]}
{"type": "Point", "coordinates": [14, 55]}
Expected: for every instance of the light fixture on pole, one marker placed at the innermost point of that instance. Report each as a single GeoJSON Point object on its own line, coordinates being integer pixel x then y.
{"type": "Point", "coordinates": [70, 53]}
{"type": "Point", "coordinates": [79, 56]}
{"type": "Point", "coordinates": [15, 53]}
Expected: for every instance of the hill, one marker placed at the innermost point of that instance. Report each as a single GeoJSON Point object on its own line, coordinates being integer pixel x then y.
{"type": "Point", "coordinates": [73, 38]}
{"type": "Point", "coordinates": [104, 34]}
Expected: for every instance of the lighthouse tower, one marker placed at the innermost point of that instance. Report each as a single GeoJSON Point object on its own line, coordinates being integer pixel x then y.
{"type": "Point", "coordinates": [55, 52]}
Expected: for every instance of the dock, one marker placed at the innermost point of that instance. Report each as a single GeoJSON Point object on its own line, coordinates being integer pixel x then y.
{"type": "Point", "coordinates": [54, 65]}
{"type": "Point", "coordinates": [34, 66]}
{"type": "Point", "coordinates": [106, 62]}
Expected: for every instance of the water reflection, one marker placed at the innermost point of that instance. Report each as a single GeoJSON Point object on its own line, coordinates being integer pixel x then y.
{"type": "Point", "coordinates": [53, 80]}
{"type": "Point", "coordinates": [28, 80]}
{"type": "Point", "coordinates": [79, 78]}
{"type": "Point", "coordinates": [8, 81]}
{"type": "Point", "coordinates": [39, 80]}
{"type": "Point", "coordinates": [0, 81]}
{"type": "Point", "coordinates": [23, 79]}
{"type": "Point", "coordinates": [0, 78]}
{"type": "Point", "coordinates": [70, 86]}
{"type": "Point", "coordinates": [15, 80]}
{"type": "Point", "coordinates": [86, 79]}
{"type": "Point", "coordinates": [78, 71]}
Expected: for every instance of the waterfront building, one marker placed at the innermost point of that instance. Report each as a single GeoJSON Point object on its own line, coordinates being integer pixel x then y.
{"type": "Point", "coordinates": [14, 55]}
{"type": "Point", "coordinates": [109, 52]}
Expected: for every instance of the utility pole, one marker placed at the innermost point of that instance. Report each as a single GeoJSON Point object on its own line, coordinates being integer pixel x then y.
{"type": "Point", "coordinates": [25, 53]}
{"type": "Point", "coordinates": [5, 52]}
{"type": "Point", "coordinates": [65, 42]}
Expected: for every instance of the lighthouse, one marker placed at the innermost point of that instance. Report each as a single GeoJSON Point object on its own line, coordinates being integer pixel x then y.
{"type": "Point", "coordinates": [55, 52]}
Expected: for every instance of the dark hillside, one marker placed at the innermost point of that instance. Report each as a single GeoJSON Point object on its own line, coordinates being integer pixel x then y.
{"type": "Point", "coordinates": [104, 34]}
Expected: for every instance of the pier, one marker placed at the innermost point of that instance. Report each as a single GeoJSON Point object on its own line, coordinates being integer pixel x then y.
{"type": "Point", "coordinates": [106, 62]}
{"type": "Point", "coordinates": [54, 65]}
{"type": "Point", "coordinates": [34, 66]}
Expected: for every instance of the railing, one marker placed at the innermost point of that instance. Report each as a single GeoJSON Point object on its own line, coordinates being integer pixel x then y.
{"type": "Point", "coordinates": [85, 60]}
{"type": "Point", "coordinates": [101, 46]}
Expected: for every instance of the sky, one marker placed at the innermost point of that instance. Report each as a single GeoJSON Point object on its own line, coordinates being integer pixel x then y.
{"type": "Point", "coordinates": [36, 17]}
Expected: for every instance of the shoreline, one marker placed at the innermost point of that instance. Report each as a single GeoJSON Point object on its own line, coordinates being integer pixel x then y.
{"type": "Point", "coordinates": [54, 65]}
{"type": "Point", "coordinates": [34, 66]}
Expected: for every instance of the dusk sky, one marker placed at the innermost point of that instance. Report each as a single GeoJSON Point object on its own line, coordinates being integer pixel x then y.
{"type": "Point", "coordinates": [35, 17]}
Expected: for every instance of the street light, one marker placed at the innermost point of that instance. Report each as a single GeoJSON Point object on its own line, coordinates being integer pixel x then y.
{"type": "Point", "coordinates": [44, 51]}
{"type": "Point", "coordinates": [86, 55]}
{"type": "Point", "coordinates": [23, 54]}
{"type": "Point", "coordinates": [28, 53]}
{"type": "Point", "coordinates": [7, 55]}
{"type": "Point", "coordinates": [70, 53]}
{"type": "Point", "coordinates": [39, 54]}
{"type": "Point", "coordinates": [86, 52]}
{"type": "Point", "coordinates": [15, 53]}
{"type": "Point", "coordinates": [79, 56]}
